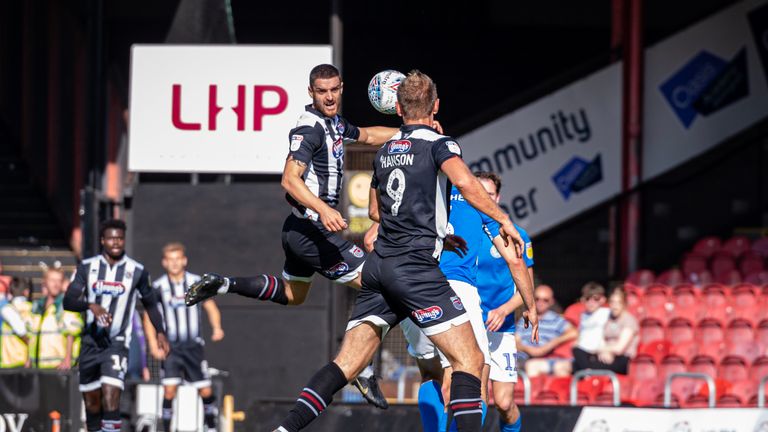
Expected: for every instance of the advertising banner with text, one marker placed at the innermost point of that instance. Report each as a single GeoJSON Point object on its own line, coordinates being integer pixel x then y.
{"type": "Point", "coordinates": [225, 109]}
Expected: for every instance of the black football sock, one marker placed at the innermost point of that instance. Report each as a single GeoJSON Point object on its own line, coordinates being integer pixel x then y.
{"type": "Point", "coordinates": [167, 414]}
{"type": "Point", "coordinates": [466, 404]}
{"type": "Point", "coordinates": [315, 397]}
{"type": "Point", "coordinates": [92, 421]}
{"type": "Point", "coordinates": [111, 421]}
{"type": "Point", "coordinates": [210, 410]}
{"type": "Point", "coordinates": [262, 287]}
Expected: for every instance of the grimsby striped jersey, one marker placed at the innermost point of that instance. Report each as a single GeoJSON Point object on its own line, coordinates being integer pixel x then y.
{"type": "Point", "coordinates": [182, 323]}
{"type": "Point", "coordinates": [413, 192]}
{"type": "Point", "coordinates": [115, 288]}
{"type": "Point", "coordinates": [318, 141]}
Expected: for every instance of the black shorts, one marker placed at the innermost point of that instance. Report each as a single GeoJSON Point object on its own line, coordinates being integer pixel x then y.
{"type": "Point", "coordinates": [102, 365]}
{"type": "Point", "coordinates": [407, 286]}
{"type": "Point", "coordinates": [310, 248]}
{"type": "Point", "coordinates": [186, 363]}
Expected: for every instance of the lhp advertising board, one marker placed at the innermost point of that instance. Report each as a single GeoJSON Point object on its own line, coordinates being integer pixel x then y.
{"type": "Point", "coordinates": [225, 109]}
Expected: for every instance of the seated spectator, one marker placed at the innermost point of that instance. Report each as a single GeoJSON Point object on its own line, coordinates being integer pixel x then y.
{"type": "Point", "coordinates": [554, 331]}
{"type": "Point", "coordinates": [620, 339]}
{"type": "Point", "coordinates": [57, 332]}
{"type": "Point", "coordinates": [591, 323]}
{"type": "Point", "coordinates": [16, 319]}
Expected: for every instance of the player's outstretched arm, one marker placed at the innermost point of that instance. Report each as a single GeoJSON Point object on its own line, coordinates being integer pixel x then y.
{"type": "Point", "coordinates": [293, 183]}
{"type": "Point", "coordinates": [461, 177]}
{"type": "Point", "coordinates": [376, 135]}
{"type": "Point", "coordinates": [523, 282]}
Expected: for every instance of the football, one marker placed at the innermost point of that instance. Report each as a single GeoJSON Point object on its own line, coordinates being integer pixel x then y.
{"type": "Point", "coordinates": [382, 90]}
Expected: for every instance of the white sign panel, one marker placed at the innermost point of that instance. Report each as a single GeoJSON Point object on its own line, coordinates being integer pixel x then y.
{"type": "Point", "coordinates": [557, 156]}
{"type": "Point", "coordinates": [224, 109]}
{"type": "Point", "coordinates": [704, 85]}
{"type": "Point", "coordinates": [671, 420]}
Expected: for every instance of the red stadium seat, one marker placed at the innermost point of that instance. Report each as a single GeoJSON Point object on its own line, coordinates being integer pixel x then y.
{"type": "Point", "coordinates": [644, 392]}
{"type": "Point", "coordinates": [759, 368]}
{"type": "Point", "coordinates": [561, 386]}
{"type": "Point", "coordinates": [704, 364]}
{"type": "Point", "coordinates": [736, 245]}
{"type": "Point", "coordinates": [634, 299]}
{"type": "Point", "coordinates": [757, 278]}
{"type": "Point", "coordinates": [671, 277]}
{"type": "Point", "coordinates": [658, 349]}
{"type": "Point", "coordinates": [592, 386]}
{"type": "Point", "coordinates": [680, 330]}
{"type": "Point", "coordinates": [674, 402]}
{"type": "Point", "coordinates": [721, 263]}
{"type": "Point", "coordinates": [744, 389]}
{"type": "Point", "coordinates": [730, 277]}
{"type": "Point", "coordinates": [603, 399]}
{"type": "Point", "coordinates": [675, 364]}
{"type": "Point", "coordinates": [707, 246]}
{"type": "Point", "coordinates": [547, 397]}
{"type": "Point", "coordinates": [693, 263]}
{"type": "Point", "coordinates": [685, 302]}
{"type": "Point", "coordinates": [740, 330]}
{"type": "Point", "coordinates": [696, 401]}
{"type": "Point", "coordinates": [699, 278]}
{"type": "Point", "coordinates": [714, 303]}
{"type": "Point", "coordinates": [651, 329]}
{"type": "Point", "coordinates": [655, 304]}
{"type": "Point", "coordinates": [733, 368]}
{"type": "Point", "coordinates": [687, 350]}
{"type": "Point", "coordinates": [643, 368]}
{"type": "Point", "coordinates": [710, 331]}
{"type": "Point", "coordinates": [729, 401]}
{"type": "Point", "coordinates": [641, 277]}
{"type": "Point", "coordinates": [751, 262]}
{"type": "Point", "coordinates": [761, 334]}
{"type": "Point", "coordinates": [745, 349]}
{"type": "Point", "coordinates": [761, 246]}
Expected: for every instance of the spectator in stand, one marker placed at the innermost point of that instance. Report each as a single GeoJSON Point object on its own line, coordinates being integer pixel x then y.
{"type": "Point", "coordinates": [620, 338]}
{"type": "Point", "coordinates": [591, 324]}
{"type": "Point", "coordinates": [16, 320]}
{"type": "Point", "coordinates": [5, 280]}
{"type": "Point", "coordinates": [57, 331]}
{"type": "Point", "coordinates": [554, 331]}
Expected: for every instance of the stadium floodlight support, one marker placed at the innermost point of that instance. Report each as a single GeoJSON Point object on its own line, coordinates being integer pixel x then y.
{"type": "Point", "coordinates": [586, 373]}
{"type": "Point", "coordinates": [671, 377]}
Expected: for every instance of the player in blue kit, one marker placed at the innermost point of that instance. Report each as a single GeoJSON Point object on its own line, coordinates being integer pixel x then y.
{"type": "Point", "coordinates": [500, 298]}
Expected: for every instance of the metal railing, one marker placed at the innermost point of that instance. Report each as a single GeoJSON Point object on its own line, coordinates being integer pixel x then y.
{"type": "Point", "coordinates": [526, 387]}
{"type": "Point", "coordinates": [578, 376]}
{"type": "Point", "coordinates": [668, 386]}
{"type": "Point", "coordinates": [761, 392]}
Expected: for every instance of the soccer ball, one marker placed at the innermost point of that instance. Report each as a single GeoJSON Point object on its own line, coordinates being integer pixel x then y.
{"type": "Point", "coordinates": [382, 90]}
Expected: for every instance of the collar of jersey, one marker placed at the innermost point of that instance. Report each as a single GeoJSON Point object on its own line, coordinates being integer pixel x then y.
{"type": "Point", "coordinates": [413, 127]}
{"type": "Point", "coordinates": [314, 111]}
{"type": "Point", "coordinates": [117, 263]}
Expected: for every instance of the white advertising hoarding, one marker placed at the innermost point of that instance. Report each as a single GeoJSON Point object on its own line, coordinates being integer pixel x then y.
{"type": "Point", "coordinates": [704, 85]}
{"type": "Point", "coordinates": [557, 156]}
{"type": "Point", "coordinates": [594, 419]}
{"type": "Point", "coordinates": [225, 109]}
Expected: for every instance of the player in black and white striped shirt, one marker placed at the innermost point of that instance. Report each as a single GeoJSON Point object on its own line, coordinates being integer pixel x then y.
{"type": "Point", "coordinates": [312, 178]}
{"type": "Point", "coordinates": [184, 328]}
{"type": "Point", "coordinates": [106, 287]}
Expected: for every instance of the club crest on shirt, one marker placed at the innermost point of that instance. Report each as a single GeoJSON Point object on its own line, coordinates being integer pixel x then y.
{"type": "Point", "coordinates": [495, 252]}
{"type": "Point", "coordinates": [427, 314]}
{"type": "Point", "coordinates": [177, 302]}
{"type": "Point", "coordinates": [453, 147]}
{"type": "Point", "coordinates": [340, 128]}
{"type": "Point", "coordinates": [102, 287]}
{"type": "Point", "coordinates": [529, 250]}
{"type": "Point", "coordinates": [457, 303]}
{"type": "Point", "coordinates": [338, 148]}
{"type": "Point", "coordinates": [338, 270]}
{"type": "Point", "coordinates": [296, 142]}
{"type": "Point", "coordinates": [357, 252]}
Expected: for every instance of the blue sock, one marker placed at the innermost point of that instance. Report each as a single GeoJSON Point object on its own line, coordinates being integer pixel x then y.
{"type": "Point", "coordinates": [431, 406]}
{"type": "Point", "coordinates": [514, 427]}
{"type": "Point", "coordinates": [454, 428]}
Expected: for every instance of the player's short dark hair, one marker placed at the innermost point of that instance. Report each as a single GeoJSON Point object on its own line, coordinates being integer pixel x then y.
{"type": "Point", "coordinates": [19, 285]}
{"type": "Point", "coordinates": [323, 71]}
{"type": "Point", "coordinates": [492, 176]}
{"type": "Point", "coordinates": [112, 224]}
{"type": "Point", "coordinates": [417, 95]}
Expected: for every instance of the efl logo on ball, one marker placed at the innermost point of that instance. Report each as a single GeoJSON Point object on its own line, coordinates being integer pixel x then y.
{"type": "Point", "coordinates": [382, 90]}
